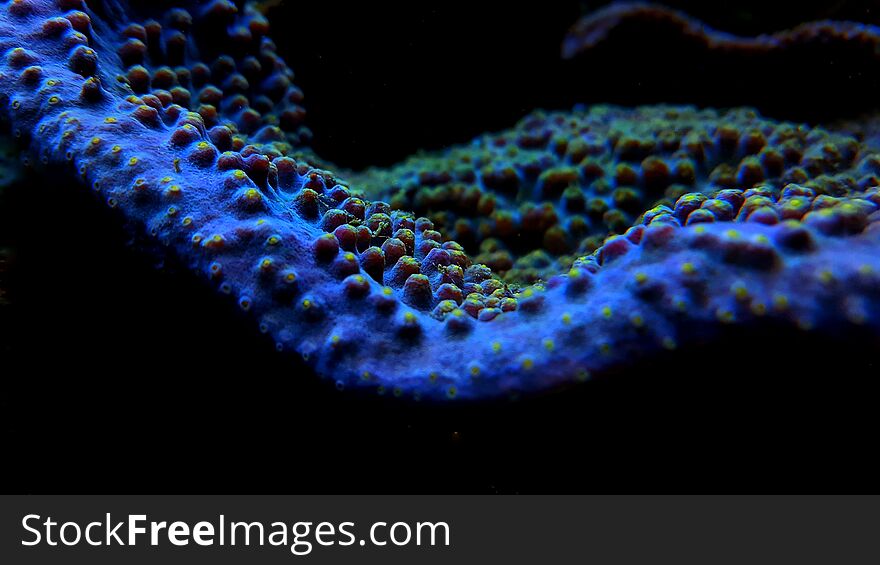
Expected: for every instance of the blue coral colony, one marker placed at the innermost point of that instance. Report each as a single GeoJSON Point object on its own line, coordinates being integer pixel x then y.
{"type": "Point", "coordinates": [597, 236]}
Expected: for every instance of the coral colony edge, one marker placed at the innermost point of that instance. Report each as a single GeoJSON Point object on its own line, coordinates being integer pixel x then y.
{"type": "Point", "coordinates": [571, 245]}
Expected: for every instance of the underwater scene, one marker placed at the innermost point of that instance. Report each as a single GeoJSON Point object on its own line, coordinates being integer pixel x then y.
{"type": "Point", "coordinates": [452, 246]}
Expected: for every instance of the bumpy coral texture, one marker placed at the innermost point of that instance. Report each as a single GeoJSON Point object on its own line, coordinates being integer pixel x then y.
{"type": "Point", "coordinates": [570, 245]}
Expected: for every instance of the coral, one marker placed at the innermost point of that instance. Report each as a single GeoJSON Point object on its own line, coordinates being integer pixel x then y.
{"type": "Point", "coordinates": [594, 28]}
{"type": "Point", "coordinates": [666, 223]}
{"type": "Point", "coordinates": [530, 201]}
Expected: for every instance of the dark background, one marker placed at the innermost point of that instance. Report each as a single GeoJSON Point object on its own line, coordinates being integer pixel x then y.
{"type": "Point", "coordinates": [383, 80]}
{"type": "Point", "coordinates": [118, 376]}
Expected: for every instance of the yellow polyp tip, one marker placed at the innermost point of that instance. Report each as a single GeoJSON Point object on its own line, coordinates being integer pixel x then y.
{"type": "Point", "coordinates": [566, 318]}
{"type": "Point", "coordinates": [759, 308]}
{"type": "Point", "coordinates": [349, 256]}
{"type": "Point", "coordinates": [724, 315]}
{"type": "Point", "coordinates": [165, 180]}
{"type": "Point", "coordinates": [273, 240]}
{"type": "Point", "coordinates": [187, 221]}
{"type": "Point", "coordinates": [132, 162]}
{"type": "Point", "coordinates": [96, 140]}
{"type": "Point", "coordinates": [387, 291]}
{"type": "Point", "coordinates": [202, 145]}
{"type": "Point", "coordinates": [528, 363]}
{"type": "Point", "coordinates": [432, 376]}
{"type": "Point", "coordinates": [290, 277]}
{"type": "Point", "coordinates": [451, 391]}
{"type": "Point", "coordinates": [641, 278]}
{"type": "Point", "coordinates": [688, 268]}
{"type": "Point", "coordinates": [826, 276]}
{"type": "Point", "coordinates": [637, 320]}
{"type": "Point", "coordinates": [605, 348]}
{"type": "Point", "coordinates": [475, 371]}
{"type": "Point", "coordinates": [306, 303]}
{"type": "Point", "coordinates": [239, 174]}
{"type": "Point", "coordinates": [409, 317]}
{"type": "Point", "coordinates": [606, 311]}
{"type": "Point", "coordinates": [116, 149]}
{"type": "Point", "coordinates": [335, 339]}
{"type": "Point", "coordinates": [731, 234]}
{"type": "Point", "coordinates": [110, 120]}
{"type": "Point", "coordinates": [549, 344]}
{"type": "Point", "coordinates": [366, 375]}
{"type": "Point", "coordinates": [496, 346]}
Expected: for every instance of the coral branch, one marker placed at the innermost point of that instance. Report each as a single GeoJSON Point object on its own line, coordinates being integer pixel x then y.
{"type": "Point", "coordinates": [594, 28]}
{"type": "Point", "coordinates": [748, 221]}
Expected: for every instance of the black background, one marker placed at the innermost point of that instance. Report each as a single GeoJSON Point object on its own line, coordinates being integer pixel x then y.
{"type": "Point", "coordinates": [121, 376]}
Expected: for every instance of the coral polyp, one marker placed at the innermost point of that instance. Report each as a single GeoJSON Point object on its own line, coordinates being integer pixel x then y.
{"type": "Point", "coordinates": [533, 200]}
{"type": "Point", "coordinates": [576, 243]}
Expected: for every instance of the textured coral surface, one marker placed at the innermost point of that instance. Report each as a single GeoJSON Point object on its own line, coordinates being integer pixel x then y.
{"type": "Point", "coordinates": [573, 244]}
